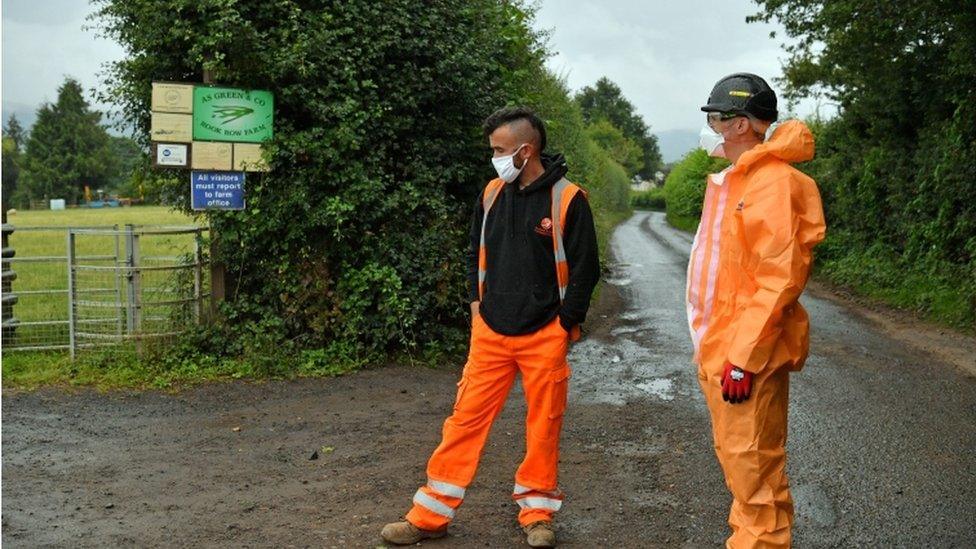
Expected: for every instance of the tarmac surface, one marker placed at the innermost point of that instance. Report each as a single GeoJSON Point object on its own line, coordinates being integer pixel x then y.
{"type": "Point", "coordinates": [882, 442]}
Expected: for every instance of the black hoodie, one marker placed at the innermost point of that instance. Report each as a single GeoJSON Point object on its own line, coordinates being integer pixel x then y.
{"type": "Point", "coordinates": [521, 290]}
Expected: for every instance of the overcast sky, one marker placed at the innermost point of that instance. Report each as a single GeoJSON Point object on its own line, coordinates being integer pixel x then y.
{"type": "Point", "coordinates": [43, 41]}
{"type": "Point", "coordinates": [664, 55]}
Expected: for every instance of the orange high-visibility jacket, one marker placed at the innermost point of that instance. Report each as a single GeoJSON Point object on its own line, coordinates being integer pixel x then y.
{"type": "Point", "coordinates": [771, 219]}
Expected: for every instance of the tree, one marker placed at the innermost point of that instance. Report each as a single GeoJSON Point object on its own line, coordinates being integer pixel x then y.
{"type": "Point", "coordinates": [13, 142]}
{"type": "Point", "coordinates": [605, 101]}
{"type": "Point", "coordinates": [11, 170]}
{"type": "Point", "coordinates": [16, 132]}
{"type": "Point", "coordinates": [67, 149]}
{"type": "Point", "coordinates": [895, 165]}
{"type": "Point", "coordinates": [355, 240]}
{"type": "Point", "coordinates": [620, 149]}
{"type": "Point", "coordinates": [357, 234]}
{"type": "Point", "coordinates": [128, 159]}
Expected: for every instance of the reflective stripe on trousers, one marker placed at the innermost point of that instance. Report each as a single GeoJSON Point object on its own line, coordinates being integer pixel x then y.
{"type": "Point", "coordinates": [432, 504]}
{"type": "Point", "coordinates": [529, 498]}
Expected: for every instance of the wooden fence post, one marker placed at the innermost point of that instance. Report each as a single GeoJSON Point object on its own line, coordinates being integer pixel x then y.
{"type": "Point", "coordinates": [8, 277]}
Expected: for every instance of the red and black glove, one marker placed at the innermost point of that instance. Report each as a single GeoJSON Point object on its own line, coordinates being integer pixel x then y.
{"type": "Point", "coordinates": [736, 384]}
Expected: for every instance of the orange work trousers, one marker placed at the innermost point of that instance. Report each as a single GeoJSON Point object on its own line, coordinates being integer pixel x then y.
{"type": "Point", "coordinates": [488, 376]}
{"type": "Point", "coordinates": [750, 442]}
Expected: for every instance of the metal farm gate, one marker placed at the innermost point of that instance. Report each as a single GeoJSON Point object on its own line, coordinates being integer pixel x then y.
{"type": "Point", "coordinates": [113, 285]}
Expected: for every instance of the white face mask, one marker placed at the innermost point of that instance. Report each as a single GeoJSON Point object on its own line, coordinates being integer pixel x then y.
{"type": "Point", "coordinates": [505, 166]}
{"type": "Point", "coordinates": [712, 141]}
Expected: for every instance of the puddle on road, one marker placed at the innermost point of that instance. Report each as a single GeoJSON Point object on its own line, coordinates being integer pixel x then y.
{"type": "Point", "coordinates": [631, 316]}
{"type": "Point", "coordinates": [620, 274]}
{"type": "Point", "coordinates": [646, 355]}
{"type": "Point", "coordinates": [627, 369]}
{"type": "Point", "coordinates": [660, 387]}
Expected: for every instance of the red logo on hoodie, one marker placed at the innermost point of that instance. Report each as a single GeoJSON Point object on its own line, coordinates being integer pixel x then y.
{"type": "Point", "coordinates": [545, 227]}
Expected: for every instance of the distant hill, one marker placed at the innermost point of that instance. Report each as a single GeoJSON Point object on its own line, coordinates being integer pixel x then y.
{"type": "Point", "coordinates": [674, 144]}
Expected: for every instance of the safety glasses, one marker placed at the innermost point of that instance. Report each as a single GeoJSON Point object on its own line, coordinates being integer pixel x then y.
{"type": "Point", "coordinates": [712, 117]}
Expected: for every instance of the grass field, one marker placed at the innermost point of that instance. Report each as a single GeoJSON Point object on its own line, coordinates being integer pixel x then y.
{"type": "Point", "coordinates": [42, 234]}
{"type": "Point", "coordinates": [84, 217]}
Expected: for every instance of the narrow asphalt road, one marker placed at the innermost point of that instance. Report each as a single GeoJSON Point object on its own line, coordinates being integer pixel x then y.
{"type": "Point", "coordinates": [882, 438]}
{"type": "Point", "coordinates": [882, 444]}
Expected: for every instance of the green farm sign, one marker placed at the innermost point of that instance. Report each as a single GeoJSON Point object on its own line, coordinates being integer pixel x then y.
{"type": "Point", "coordinates": [230, 114]}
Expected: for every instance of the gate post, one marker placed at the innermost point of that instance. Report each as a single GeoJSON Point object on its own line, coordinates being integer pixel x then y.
{"type": "Point", "coordinates": [130, 315]}
{"type": "Point", "coordinates": [134, 305]}
{"type": "Point", "coordinates": [9, 299]}
{"type": "Point", "coordinates": [72, 341]}
{"type": "Point", "coordinates": [197, 276]}
{"type": "Point", "coordinates": [218, 281]}
{"type": "Point", "coordinates": [118, 283]}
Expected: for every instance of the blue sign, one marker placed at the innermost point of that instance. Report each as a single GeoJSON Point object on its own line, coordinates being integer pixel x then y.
{"type": "Point", "coordinates": [217, 190]}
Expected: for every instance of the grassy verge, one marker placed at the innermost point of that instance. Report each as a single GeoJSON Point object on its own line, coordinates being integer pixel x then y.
{"type": "Point", "coordinates": [30, 370]}
{"type": "Point", "coordinates": [683, 222]}
{"type": "Point", "coordinates": [122, 368]}
{"type": "Point", "coordinates": [606, 222]}
{"type": "Point", "coordinates": [880, 275]}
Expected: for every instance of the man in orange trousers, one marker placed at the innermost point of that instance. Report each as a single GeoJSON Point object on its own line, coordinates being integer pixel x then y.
{"type": "Point", "coordinates": [532, 267]}
{"type": "Point", "coordinates": [749, 263]}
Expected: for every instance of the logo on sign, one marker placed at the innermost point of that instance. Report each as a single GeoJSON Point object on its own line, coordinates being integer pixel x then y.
{"type": "Point", "coordinates": [173, 97]}
{"type": "Point", "coordinates": [173, 155]}
{"type": "Point", "coordinates": [230, 114]}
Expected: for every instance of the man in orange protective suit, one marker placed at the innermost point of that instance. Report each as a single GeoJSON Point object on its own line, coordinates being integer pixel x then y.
{"type": "Point", "coordinates": [532, 267]}
{"type": "Point", "coordinates": [749, 263]}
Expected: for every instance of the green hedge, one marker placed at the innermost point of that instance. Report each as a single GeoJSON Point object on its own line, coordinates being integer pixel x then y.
{"type": "Point", "coordinates": [901, 227]}
{"type": "Point", "coordinates": [355, 242]}
{"type": "Point", "coordinates": [652, 199]}
{"type": "Point", "coordinates": [684, 189]}
{"type": "Point", "coordinates": [895, 165]}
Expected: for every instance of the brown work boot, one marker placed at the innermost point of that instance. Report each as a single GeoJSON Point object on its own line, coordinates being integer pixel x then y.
{"type": "Point", "coordinates": [540, 534]}
{"type": "Point", "coordinates": [404, 533]}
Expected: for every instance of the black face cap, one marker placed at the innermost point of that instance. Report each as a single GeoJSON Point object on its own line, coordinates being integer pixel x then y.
{"type": "Point", "coordinates": [743, 93]}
